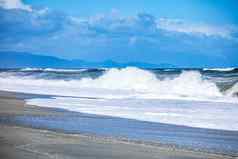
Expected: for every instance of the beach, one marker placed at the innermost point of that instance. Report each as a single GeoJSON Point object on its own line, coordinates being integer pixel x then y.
{"type": "Point", "coordinates": [25, 142]}
{"type": "Point", "coordinates": [118, 80]}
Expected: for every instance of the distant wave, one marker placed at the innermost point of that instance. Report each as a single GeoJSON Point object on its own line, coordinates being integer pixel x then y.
{"type": "Point", "coordinates": [52, 70]}
{"type": "Point", "coordinates": [31, 69]}
{"type": "Point", "coordinates": [219, 69]}
{"type": "Point", "coordinates": [64, 70]}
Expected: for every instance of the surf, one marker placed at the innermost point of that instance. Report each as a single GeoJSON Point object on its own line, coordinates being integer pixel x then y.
{"type": "Point", "coordinates": [121, 83]}
{"type": "Point", "coordinates": [182, 97]}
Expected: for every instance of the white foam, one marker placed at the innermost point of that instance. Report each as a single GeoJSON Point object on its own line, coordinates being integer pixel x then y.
{"type": "Point", "coordinates": [137, 94]}
{"type": "Point", "coordinates": [233, 91]}
{"type": "Point", "coordinates": [194, 114]}
{"type": "Point", "coordinates": [122, 83]}
{"type": "Point", "coordinates": [219, 69]}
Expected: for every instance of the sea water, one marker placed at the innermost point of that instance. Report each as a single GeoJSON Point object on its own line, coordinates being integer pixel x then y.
{"type": "Point", "coordinates": [202, 98]}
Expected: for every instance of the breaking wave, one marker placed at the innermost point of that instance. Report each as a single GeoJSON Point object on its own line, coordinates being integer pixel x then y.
{"type": "Point", "coordinates": [122, 83]}
{"type": "Point", "coordinates": [233, 91]}
{"type": "Point", "coordinates": [188, 83]}
{"type": "Point", "coordinates": [190, 98]}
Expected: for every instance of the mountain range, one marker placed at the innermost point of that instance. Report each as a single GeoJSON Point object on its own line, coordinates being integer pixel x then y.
{"type": "Point", "coordinates": [10, 59]}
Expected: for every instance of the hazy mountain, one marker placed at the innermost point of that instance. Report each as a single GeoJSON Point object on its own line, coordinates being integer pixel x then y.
{"type": "Point", "coordinates": [10, 59]}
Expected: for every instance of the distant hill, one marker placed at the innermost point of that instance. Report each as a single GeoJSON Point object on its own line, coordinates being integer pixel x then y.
{"type": "Point", "coordinates": [9, 59]}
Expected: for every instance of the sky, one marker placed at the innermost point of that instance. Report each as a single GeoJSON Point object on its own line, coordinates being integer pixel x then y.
{"type": "Point", "coordinates": [189, 33]}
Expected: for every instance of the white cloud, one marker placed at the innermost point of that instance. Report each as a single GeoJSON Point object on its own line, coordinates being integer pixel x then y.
{"type": "Point", "coordinates": [14, 4]}
{"type": "Point", "coordinates": [150, 25]}
{"type": "Point", "coordinates": [43, 11]}
{"type": "Point", "coordinates": [181, 26]}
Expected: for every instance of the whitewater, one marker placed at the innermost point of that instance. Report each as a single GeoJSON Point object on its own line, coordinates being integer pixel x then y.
{"type": "Point", "coordinates": [204, 98]}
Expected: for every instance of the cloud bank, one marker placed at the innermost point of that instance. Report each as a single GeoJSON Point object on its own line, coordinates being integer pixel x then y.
{"type": "Point", "coordinates": [14, 4]}
{"type": "Point", "coordinates": [113, 36]}
{"type": "Point", "coordinates": [181, 26]}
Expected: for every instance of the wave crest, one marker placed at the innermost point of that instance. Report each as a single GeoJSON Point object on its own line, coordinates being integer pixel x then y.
{"type": "Point", "coordinates": [126, 82]}
{"type": "Point", "coordinates": [187, 84]}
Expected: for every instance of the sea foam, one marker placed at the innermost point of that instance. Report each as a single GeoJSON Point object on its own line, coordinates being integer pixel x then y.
{"type": "Point", "coordinates": [186, 99]}
{"type": "Point", "coordinates": [122, 83]}
{"type": "Point", "coordinates": [179, 112]}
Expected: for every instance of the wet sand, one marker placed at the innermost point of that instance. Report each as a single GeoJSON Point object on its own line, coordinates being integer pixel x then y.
{"type": "Point", "coordinates": [27, 143]}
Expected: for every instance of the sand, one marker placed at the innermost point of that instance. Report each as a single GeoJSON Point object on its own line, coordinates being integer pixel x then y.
{"type": "Point", "coordinates": [18, 142]}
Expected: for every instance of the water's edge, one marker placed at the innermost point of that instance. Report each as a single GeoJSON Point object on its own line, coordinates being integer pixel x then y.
{"type": "Point", "coordinates": [156, 134]}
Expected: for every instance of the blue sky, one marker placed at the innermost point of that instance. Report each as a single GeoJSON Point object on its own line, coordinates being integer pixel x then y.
{"type": "Point", "coordinates": [196, 10]}
{"type": "Point", "coordinates": [185, 33]}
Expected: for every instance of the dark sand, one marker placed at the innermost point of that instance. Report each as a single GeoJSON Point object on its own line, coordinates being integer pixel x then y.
{"type": "Point", "coordinates": [27, 143]}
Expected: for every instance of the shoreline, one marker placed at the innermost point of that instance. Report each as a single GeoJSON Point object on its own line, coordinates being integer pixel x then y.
{"type": "Point", "coordinates": [13, 104]}
{"type": "Point", "coordinates": [95, 147]}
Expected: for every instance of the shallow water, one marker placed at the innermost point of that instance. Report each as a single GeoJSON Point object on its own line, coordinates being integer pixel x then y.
{"type": "Point", "coordinates": [217, 141]}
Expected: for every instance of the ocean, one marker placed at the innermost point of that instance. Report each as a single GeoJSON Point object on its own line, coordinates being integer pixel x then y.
{"type": "Point", "coordinates": [193, 109]}
{"type": "Point", "coordinates": [200, 98]}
